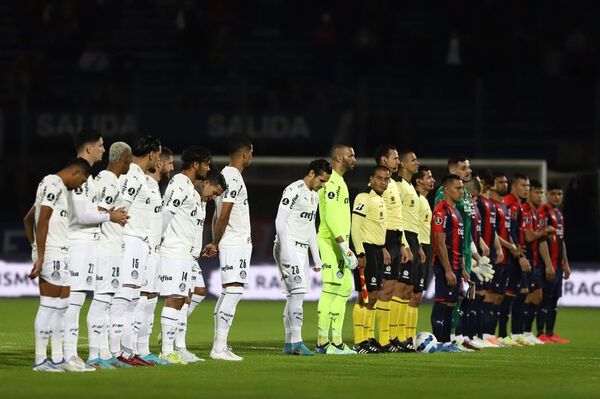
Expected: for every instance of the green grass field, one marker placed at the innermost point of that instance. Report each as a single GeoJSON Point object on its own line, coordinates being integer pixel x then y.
{"type": "Point", "coordinates": [548, 371]}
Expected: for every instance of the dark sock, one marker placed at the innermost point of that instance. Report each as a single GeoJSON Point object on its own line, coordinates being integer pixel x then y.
{"type": "Point", "coordinates": [528, 316]}
{"type": "Point", "coordinates": [487, 317]}
{"type": "Point", "coordinates": [478, 317]}
{"type": "Point", "coordinates": [542, 315]}
{"type": "Point", "coordinates": [438, 316]}
{"type": "Point", "coordinates": [516, 324]}
{"type": "Point", "coordinates": [462, 328]}
{"type": "Point", "coordinates": [447, 324]}
{"type": "Point", "coordinates": [495, 315]}
{"type": "Point", "coordinates": [503, 315]}
{"type": "Point", "coordinates": [551, 317]}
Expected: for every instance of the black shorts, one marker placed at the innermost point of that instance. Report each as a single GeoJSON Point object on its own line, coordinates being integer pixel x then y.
{"type": "Point", "coordinates": [442, 292]}
{"type": "Point", "coordinates": [527, 280]}
{"type": "Point", "coordinates": [392, 244]}
{"type": "Point", "coordinates": [513, 277]}
{"type": "Point", "coordinates": [373, 270]}
{"type": "Point", "coordinates": [498, 283]}
{"type": "Point", "coordinates": [424, 270]}
{"type": "Point", "coordinates": [409, 272]}
{"type": "Point", "coordinates": [552, 288]}
{"type": "Point", "coordinates": [536, 278]}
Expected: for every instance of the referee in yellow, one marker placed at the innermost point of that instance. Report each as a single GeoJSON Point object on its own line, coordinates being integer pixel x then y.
{"type": "Point", "coordinates": [333, 240]}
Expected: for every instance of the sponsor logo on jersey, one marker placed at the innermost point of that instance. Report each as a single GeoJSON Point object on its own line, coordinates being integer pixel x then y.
{"type": "Point", "coordinates": [285, 201]}
{"type": "Point", "coordinates": [50, 197]}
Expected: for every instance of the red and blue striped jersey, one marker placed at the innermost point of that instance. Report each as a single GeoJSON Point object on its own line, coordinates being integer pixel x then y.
{"type": "Point", "coordinates": [476, 229]}
{"type": "Point", "coordinates": [446, 219]}
{"type": "Point", "coordinates": [487, 210]}
{"type": "Point", "coordinates": [531, 221]}
{"type": "Point", "coordinates": [502, 225]}
{"type": "Point", "coordinates": [516, 219]}
{"type": "Point", "coordinates": [554, 217]}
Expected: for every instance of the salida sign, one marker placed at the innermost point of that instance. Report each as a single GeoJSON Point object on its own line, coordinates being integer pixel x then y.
{"type": "Point", "coordinates": [51, 124]}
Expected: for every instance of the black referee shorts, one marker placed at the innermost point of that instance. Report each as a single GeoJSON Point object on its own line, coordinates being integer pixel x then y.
{"type": "Point", "coordinates": [373, 270]}
{"type": "Point", "coordinates": [409, 272]}
{"type": "Point", "coordinates": [424, 270]}
{"type": "Point", "coordinates": [392, 244]}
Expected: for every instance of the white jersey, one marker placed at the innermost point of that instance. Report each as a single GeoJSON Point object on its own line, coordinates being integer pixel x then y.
{"type": "Point", "coordinates": [237, 232]}
{"type": "Point", "coordinates": [198, 238]}
{"type": "Point", "coordinates": [53, 193]}
{"type": "Point", "coordinates": [156, 223]}
{"type": "Point", "coordinates": [184, 202]}
{"type": "Point", "coordinates": [301, 203]}
{"type": "Point", "coordinates": [111, 234]}
{"type": "Point", "coordinates": [136, 192]}
{"type": "Point", "coordinates": [82, 233]}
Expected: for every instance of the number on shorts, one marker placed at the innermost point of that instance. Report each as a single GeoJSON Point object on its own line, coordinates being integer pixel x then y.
{"type": "Point", "coordinates": [90, 268]}
{"type": "Point", "coordinates": [242, 263]}
{"type": "Point", "coordinates": [184, 276]}
{"type": "Point", "coordinates": [56, 265]}
{"type": "Point", "coordinates": [115, 271]}
{"type": "Point", "coordinates": [295, 270]}
{"type": "Point", "coordinates": [135, 263]}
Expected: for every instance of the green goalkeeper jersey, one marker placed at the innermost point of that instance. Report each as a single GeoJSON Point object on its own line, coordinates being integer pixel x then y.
{"type": "Point", "coordinates": [334, 209]}
{"type": "Point", "coordinates": [465, 207]}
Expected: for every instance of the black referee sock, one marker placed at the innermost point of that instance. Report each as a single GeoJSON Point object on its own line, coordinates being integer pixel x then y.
{"type": "Point", "coordinates": [438, 317]}
{"type": "Point", "coordinates": [516, 325]}
{"type": "Point", "coordinates": [503, 315]}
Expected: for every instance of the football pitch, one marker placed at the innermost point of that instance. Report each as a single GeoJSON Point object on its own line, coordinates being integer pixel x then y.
{"type": "Point", "coordinates": [545, 371]}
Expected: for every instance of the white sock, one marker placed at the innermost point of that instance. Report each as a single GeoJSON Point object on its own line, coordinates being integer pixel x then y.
{"type": "Point", "coordinates": [57, 324]}
{"type": "Point", "coordinates": [138, 319]}
{"type": "Point", "coordinates": [118, 317]}
{"type": "Point", "coordinates": [143, 341]}
{"type": "Point", "coordinates": [168, 321]}
{"type": "Point", "coordinates": [76, 299]}
{"type": "Point", "coordinates": [196, 300]}
{"type": "Point", "coordinates": [42, 327]}
{"type": "Point", "coordinates": [129, 339]}
{"type": "Point", "coordinates": [96, 323]}
{"type": "Point", "coordinates": [296, 316]}
{"type": "Point", "coordinates": [286, 322]}
{"type": "Point", "coordinates": [181, 327]}
{"type": "Point", "coordinates": [225, 315]}
{"type": "Point", "coordinates": [103, 341]}
{"type": "Point", "coordinates": [217, 306]}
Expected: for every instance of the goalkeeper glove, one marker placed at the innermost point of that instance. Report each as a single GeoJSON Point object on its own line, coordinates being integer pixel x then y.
{"type": "Point", "coordinates": [350, 260]}
{"type": "Point", "coordinates": [486, 267]}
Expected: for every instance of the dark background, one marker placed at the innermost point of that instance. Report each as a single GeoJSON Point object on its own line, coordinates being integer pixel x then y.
{"type": "Point", "coordinates": [488, 79]}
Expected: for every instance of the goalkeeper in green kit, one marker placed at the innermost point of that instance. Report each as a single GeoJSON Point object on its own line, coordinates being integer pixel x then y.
{"type": "Point", "coordinates": [338, 260]}
{"type": "Point", "coordinates": [481, 268]}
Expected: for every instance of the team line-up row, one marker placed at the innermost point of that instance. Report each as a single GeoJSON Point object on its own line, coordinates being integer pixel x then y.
{"type": "Point", "coordinates": [118, 236]}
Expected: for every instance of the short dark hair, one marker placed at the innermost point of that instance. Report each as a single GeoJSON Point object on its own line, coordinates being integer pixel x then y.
{"type": "Point", "coordinates": [145, 145]}
{"type": "Point", "coordinates": [382, 151]}
{"type": "Point", "coordinates": [554, 185]}
{"type": "Point", "coordinates": [518, 176]}
{"type": "Point", "coordinates": [420, 174]}
{"type": "Point", "coordinates": [449, 179]}
{"type": "Point", "coordinates": [81, 164]}
{"type": "Point", "coordinates": [165, 152]}
{"type": "Point", "coordinates": [194, 153]}
{"type": "Point", "coordinates": [378, 167]}
{"type": "Point", "coordinates": [454, 160]}
{"type": "Point", "coordinates": [86, 136]}
{"type": "Point", "coordinates": [535, 183]}
{"type": "Point", "coordinates": [486, 175]}
{"type": "Point", "coordinates": [319, 166]}
{"type": "Point", "coordinates": [498, 173]}
{"type": "Point", "coordinates": [217, 178]}
{"type": "Point", "coordinates": [402, 154]}
{"type": "Point", "coordinates": [238, 142]}
{"type": "Point", "coordinates": [475, 183]}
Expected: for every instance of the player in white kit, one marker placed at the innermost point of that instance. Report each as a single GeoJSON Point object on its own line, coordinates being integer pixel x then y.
{"type": "Point", "coordinates": [144, 312]}
{"type": "Point", "coordinates": [232, 241]}
{"type": "Point", "coordinates": [47, 229]}
{"type": "Point", "coordinates": [182, 214]}
{"type": "Point", "coordinates": [135, 196]}
{"type": "Point", "coordinates": [84, 231]}
{"type": "Point", "coordinates": [209, 189]}
{"type": "Point", "coordinates": [295, 228]}
{"type": "Point", "coordinates": [107, 184]}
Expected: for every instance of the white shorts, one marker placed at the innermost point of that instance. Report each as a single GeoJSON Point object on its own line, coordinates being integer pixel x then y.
{"type": "Point", "coordinates": [151, 282]}
{"type": "Point", "coordinates": [108, 274]}
{"type": "Point", "coordinates": [56, 272]}
{"type": "Point", "coordinates": [197, 277]}
{"type": "Point", "coordinates": [82, 263]}
{"type": "Point", "coordinates": [235, 263]}
{"type": "Point", "coordinates": [295, 279]}
{"type": "Point", "coordinates": [175, 277]}
{"type": "Point", "coordinates": [133, 264]}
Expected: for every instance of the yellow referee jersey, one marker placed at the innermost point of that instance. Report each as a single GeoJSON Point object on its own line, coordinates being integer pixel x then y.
{"type": "Point", "coordinates": [410, 206]}
{"type": "Point", "coordinates": [424, 220]}
{"type": "Point", "coordinates": [393, 206]}
{"type": "Point", "coordinates": [368, 220]}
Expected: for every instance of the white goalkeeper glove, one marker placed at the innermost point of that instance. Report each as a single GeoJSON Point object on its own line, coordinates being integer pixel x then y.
{"type": "Point", "coordinates": [482, 269]}
{"type": "Point", "coordinates": [350, 260]}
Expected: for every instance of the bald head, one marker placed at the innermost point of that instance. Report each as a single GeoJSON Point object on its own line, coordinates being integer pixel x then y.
{"type": "Point", "coordinates": [342, 158]}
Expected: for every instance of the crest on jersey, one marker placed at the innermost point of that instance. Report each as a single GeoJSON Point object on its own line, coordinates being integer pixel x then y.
{"type": "Point", "coordinates": [331, 195]}
{"type": "Point", "coordinates": [438, 220]}
{"type": "Point", "coordinates": [50, 197]}
{"type": "Point", "coordinates": [285, 201]}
